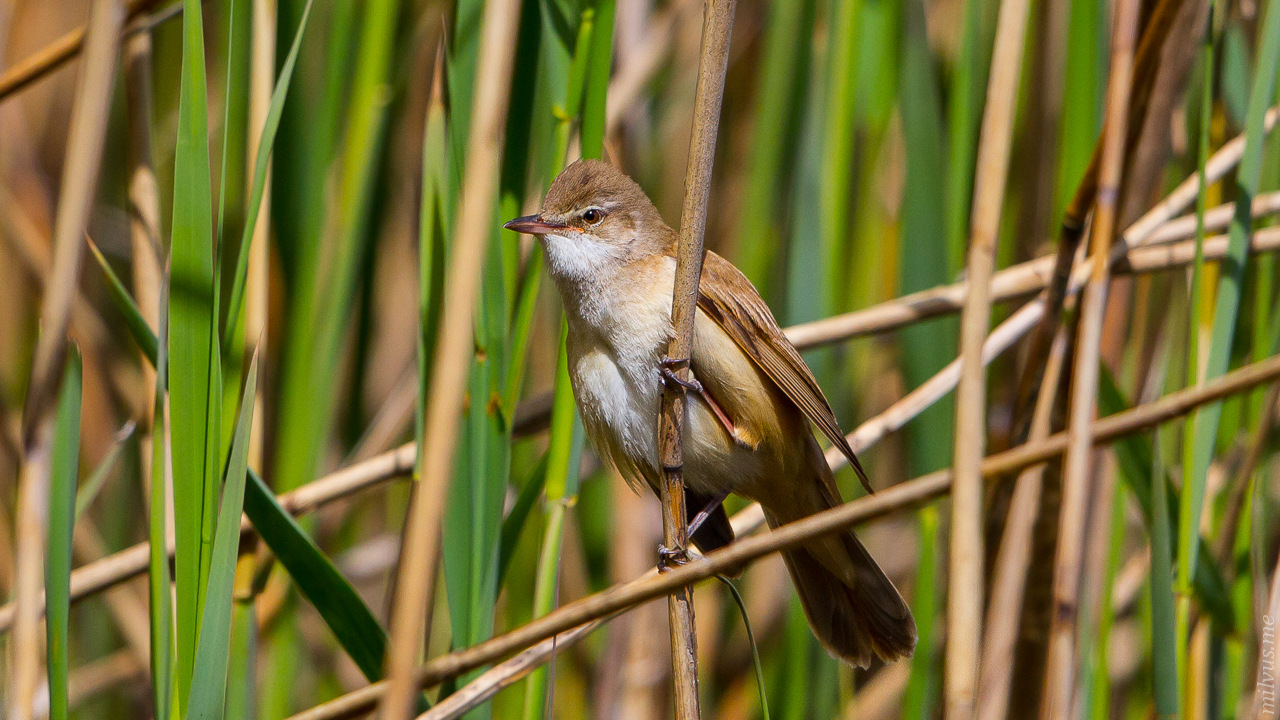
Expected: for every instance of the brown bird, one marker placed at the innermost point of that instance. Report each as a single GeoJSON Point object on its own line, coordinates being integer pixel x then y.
{"type": "Point", "coordinates": [613, 260]}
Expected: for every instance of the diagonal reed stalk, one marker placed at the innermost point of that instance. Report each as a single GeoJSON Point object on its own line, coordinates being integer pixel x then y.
{"type": "Point", "coordinates": [964, 604]}
{"type": "Point", "coordinates": [717, 30]}
{"type": "Point", "coordinates": [1060, 679]}
{"type": "Point", "coordinates": [419, 554]}
{"type": "Point", "coordinates": [995, 468]}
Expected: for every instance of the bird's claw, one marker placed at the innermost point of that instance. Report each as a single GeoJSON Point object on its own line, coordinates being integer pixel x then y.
{"type": "Point", "coordinates": [667, 369]}
{"type": "Point", "coordinates": [671, 557]}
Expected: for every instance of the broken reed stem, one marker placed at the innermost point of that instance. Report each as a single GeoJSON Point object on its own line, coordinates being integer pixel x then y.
{"type": "Point", "coordinates": [419, 553]}
{"type": "Point", "coordinates": [380, 469]}
{"type": "Point", "coordinates": [717, 27]}
{"type": "Point", "coordinates": [964, 601]}
{"type": "Point", "coordinates": [996, 468]}
{"type": "Point", "coordinates": [79, 183]}
{"type": "Point", "coordinates": [52, 56]}
{"type": "Point", "coordinates": [1060, 673]}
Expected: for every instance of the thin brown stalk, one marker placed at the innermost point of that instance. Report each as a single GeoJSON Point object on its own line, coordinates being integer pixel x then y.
{"type": "Point", "coordinates": [53, 55]}
{"type": "Point", "coordinates": [964, 601]}
{"type": "Point", "coordinates": [1060, 673]}
{"type": "Point", "coordinates": [1009, 577]}
{"type": "Point", "coordinates": [79, 182]}
{"type": "Point", "coordinates": [904, 496]}
{"type": "Point", "coordinates": [415, 582]}
{"type": "Point", "coordinates": [713, 62]}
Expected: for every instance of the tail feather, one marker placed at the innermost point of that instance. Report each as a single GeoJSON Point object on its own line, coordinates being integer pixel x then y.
{"type": "Point", "coordinates": [852, 606]}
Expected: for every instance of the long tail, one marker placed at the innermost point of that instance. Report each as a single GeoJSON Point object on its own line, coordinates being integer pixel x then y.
{"type": "Point", "coordinates": [852, 607]}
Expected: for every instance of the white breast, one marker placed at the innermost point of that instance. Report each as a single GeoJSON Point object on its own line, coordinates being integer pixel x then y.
{"type": "Point", "coordinates": [616, 341]}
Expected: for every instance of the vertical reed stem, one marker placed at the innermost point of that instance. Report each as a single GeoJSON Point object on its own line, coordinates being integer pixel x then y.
{"type": "Point", "coordinates": [964, 606]}
{"type": "Point", "coordinates": [1060, 677]}
{"type": "Point", "coordinates": [717, 26]}
{"type": "Point", "coordinates": [415, 584]}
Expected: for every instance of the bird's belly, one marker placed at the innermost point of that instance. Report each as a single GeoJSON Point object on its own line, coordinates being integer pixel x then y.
{"type": "Point", "coordinates": [619, 403]}
{"type": "Point", "coordinates": [619, 411]}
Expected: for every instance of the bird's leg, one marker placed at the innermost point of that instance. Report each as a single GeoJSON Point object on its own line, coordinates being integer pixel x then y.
{"type": "Point", "coordinates": [667, 369]}
{"type": "Point", "coordinates": [705, 512]}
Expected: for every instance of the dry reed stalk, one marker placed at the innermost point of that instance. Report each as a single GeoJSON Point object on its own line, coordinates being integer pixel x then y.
{"type": "Point", "coordinates": [964, 600]}
{"type": "Point", "coordinates": [1009, 576]}
{"type": "Point", "coordinates": [380, 469]}
{"type": "Point", "coordinates": [907, 495]}
{"type": "Point", "coordinates": [713, 62]}
{"type": "Point", "coordinates": [262, 67]}
{"type": "Point", "coordinates": [79, 182]}
{"type": "Point", "coordinates": [508, 673]}
{"type": "Point", "coordinates": [53, 55]}
{"type": "Point", "coordinates": [1060, 672]}
{"type": "Point", "coordinates": [1012, 282]}
{"type": "Point", "coordinates": [420, 553]}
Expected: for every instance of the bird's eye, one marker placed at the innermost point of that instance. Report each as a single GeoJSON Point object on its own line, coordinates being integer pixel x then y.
{"type": "Point", "coordinates": [593, 216]}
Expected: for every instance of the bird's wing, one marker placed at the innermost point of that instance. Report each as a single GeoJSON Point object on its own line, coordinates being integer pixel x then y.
{"type": "Point", "coordinates": [728, 298]}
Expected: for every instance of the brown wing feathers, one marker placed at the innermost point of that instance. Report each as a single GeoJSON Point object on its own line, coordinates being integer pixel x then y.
{"type": "Point", "coordinates": [729, 299]}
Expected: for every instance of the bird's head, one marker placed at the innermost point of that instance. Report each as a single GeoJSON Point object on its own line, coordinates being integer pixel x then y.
{"type": "Point", "coordinates": [595, 219]}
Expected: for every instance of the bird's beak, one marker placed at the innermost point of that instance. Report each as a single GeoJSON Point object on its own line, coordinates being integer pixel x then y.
{"type": "Point", "coordinates": [533, 225]}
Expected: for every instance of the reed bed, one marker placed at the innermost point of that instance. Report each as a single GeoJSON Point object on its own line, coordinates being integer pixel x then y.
{"type": "Point", "coordinates": [286, 426]}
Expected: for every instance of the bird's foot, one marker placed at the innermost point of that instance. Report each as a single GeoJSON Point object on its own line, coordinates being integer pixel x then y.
{"type": "Point", "coordinates": [671, 557]}
{"type": "Point", "coordinates": [667, 368]}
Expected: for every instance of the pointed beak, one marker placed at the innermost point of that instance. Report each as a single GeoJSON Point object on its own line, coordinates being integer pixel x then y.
{"type": "Point", "coordinates": [533, 225]}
